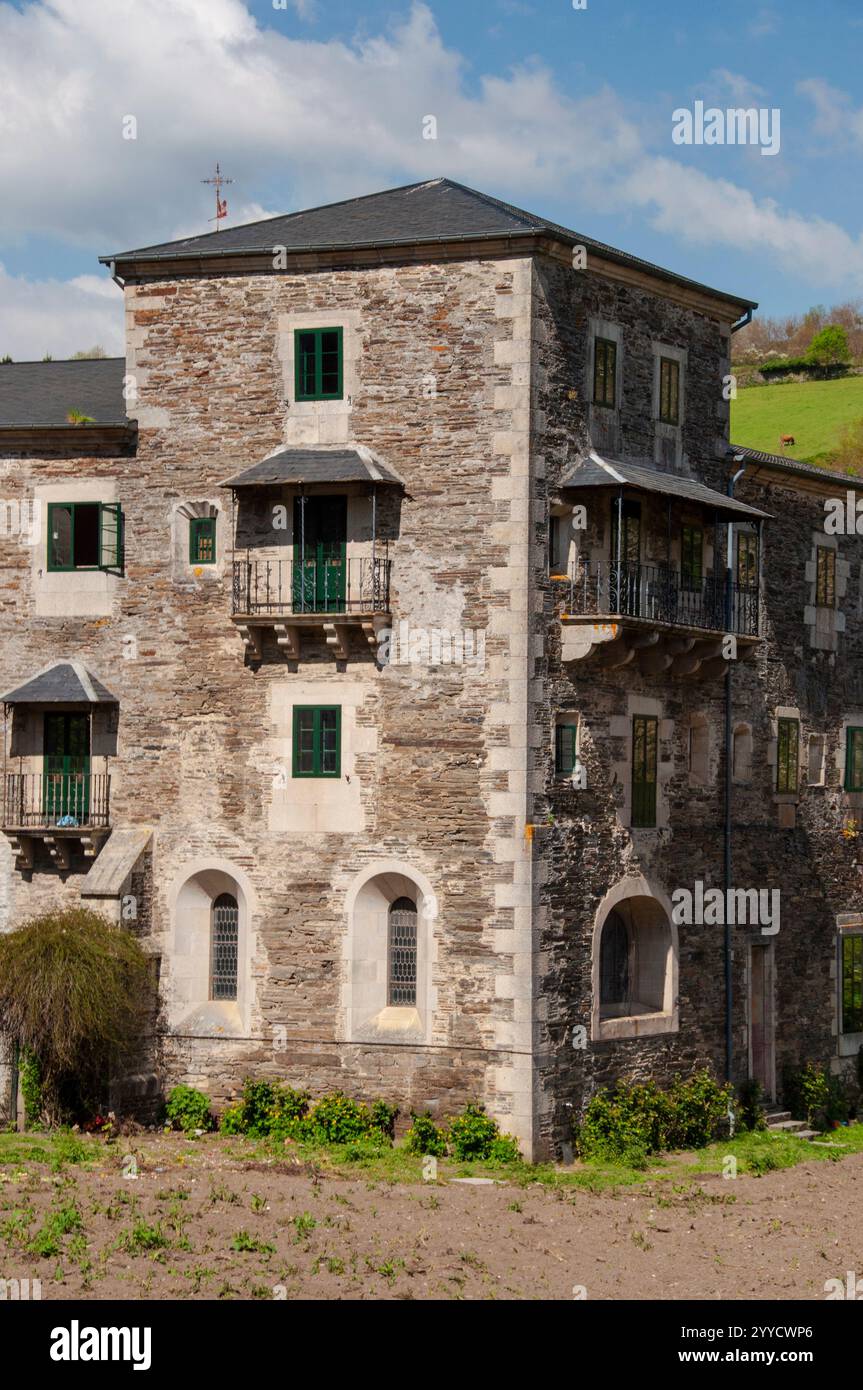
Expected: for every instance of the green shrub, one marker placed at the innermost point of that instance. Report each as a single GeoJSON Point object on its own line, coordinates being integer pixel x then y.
{"type": "Point", "coordinates": [628, 1122]}
{"type": "Point", "coordinates": [815, 1096]}
{"type": "Point", "coordinates": [72, 989]}
{"type": "Point", "coordinates": [336, 1119]}
{"type": "Point", "coordinates": [383, 1118]}
{"type": "Point", "coordinates": [472, 1133]}
{"type": "Point", "coordinates": [231, 1121]}
{"type": "Point", "coordinates": [424, 1137]}
{"type": "Point", "coordinates": [188, 1109]}
{"type": "Point", "coordinates": [30, 1079]}
{"type": "Point", "coordinates": [504, 1149]}
{"type": "Point", "coordinates": [266, 1110]}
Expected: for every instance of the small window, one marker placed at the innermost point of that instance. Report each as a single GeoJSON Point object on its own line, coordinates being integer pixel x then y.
{"type": "Point", "coordinates": [645, 738]}
{"type": "Point", "coordinates": [691, 557]}
{"type": "Point", "coordinates": [402, 944]}
{"type": "Point", "coordinates": [854, 761]}
{"type": "Point", "coordinates": [318, 355]}
{"type": "Point", "coordinates": [85, 536]}
{"type": "Point", "coordinates": [615, 992]}
{"type": "Point", "coordinates": [317, 740]}
{"type": "Point", "coordinates": [202, 540]}
{"type": "Point", "coordinates": [630, 540]}
{"type": "Point", "coordinates": [747, 560]}
{"type": "Point", "coordinates": [825, 577]}
{"type": "Point", "coordinates": [669, 391]}
{"type": "Point", "coordinates": [604, 372]}
{"type": "Point", "coordinates": [565, 749]}
{"type": "Point", "coordinates": [225, 938]}
{"type": "Point", "coordinates": [852, 983]}
{"type": "Point", "coordinates": [788, 755]}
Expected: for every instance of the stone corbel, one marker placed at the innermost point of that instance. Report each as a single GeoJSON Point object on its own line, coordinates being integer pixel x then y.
{"type": "Point", "coordinates": [252, 638]}
{"type": "Point", "coordinates": [337, 639]}
{"type": "Point", "coordinates": [288, 639]}
{"type": "Point", "coordinates": [59, 851]}
{"type": "Point", "coordinates": [22, 848]}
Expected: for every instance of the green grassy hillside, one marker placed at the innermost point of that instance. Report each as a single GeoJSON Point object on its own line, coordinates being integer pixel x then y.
{"type": "Point", "coordinates": [815, 412]}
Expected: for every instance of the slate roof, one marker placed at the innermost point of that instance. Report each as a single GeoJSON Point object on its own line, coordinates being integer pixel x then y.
{"type": "Point", "coordinates": [61, 683]}
{"type": "Point", "coordinates": [439, 210]}
{"type": "Point", "coordinates": [353, 465]}
{"type": "Point", "coordinates": [598, 472]}
{"type": "Point", "coordinates": [41, 394]}
{"type": "Point", "coordinates": [784, 464]}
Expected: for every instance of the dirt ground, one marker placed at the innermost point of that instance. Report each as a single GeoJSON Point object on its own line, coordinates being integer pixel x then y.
{"type": "Point", "coordinates": [202, 1222]}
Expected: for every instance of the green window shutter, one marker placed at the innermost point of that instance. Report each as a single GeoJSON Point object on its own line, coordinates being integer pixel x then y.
{"type": "Point", "coordinates": [317, 741]}
{"type": "Point", "coordinates": [747, 560]}
{"type": "Point", "coordinates": [564, 749]}
{"type": "Point", "coordinates": [604, 371]}
{"type": "Point", "coordinates": [669, 390]}
{"type": "Point", "coordinates": [110, 536]}
{"type": "Point", "coordinates": [854, 761]}
{"type": "Point", "coordinates": [852, 984]}
{"type": "Point", "coordinates": [788, 755]}
{"type": "Point", "coordinates": [202, 540]}
{"type": "Point", "coordinates": [645, 746]}
{"type": "Point", "coordinates": [318, 364]}
{"type": "Point", "coordinates": [61, 536]}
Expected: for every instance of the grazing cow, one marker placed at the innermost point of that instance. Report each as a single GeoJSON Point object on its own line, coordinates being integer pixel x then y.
{"type": "Point", "coordinates": [786, 439]}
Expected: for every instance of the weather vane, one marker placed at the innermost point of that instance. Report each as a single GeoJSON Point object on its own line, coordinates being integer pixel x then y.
{"type": "Point", "coordinates": [221, 203]}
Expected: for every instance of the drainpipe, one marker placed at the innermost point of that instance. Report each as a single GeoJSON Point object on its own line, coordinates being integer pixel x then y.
{"type": "Point", "coordinates": [729, 621]}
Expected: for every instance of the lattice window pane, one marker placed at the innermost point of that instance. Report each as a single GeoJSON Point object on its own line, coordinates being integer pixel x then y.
{"type": "Point", "coordinates": [402, 952]}
{"type": "Point", "coordinates": [225, 939]}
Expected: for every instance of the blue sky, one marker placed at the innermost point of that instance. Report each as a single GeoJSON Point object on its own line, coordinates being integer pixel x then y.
{"type": "Point", "coordinates": [566, 112]}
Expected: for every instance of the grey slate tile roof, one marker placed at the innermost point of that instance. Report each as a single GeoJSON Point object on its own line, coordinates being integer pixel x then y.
{"type": "Point", "coordinates": [783, 464]}
{"type": "Point", "coordinates": [598, 472]}
{"type": "Point", "coordinates": [435, 211]}
{"type": "Point", "coordinates": [41, 394]}
{"type": "Point", "coordinates": [355, 465]}
{"type": "Point", "coordinates": [61, 683]}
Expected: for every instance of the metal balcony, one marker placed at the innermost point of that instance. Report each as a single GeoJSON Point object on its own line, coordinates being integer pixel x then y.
{"type": "Point", "coordinates": [289, 596]}
{"type": "Point", "coordinates": [56, 808]}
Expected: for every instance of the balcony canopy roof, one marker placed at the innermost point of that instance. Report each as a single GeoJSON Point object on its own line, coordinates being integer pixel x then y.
{"type": "Point", "coordinates": [355, 464]}
{"type": "Point", "coordinates": [61, 683]}
{"type": "Point", "coordinates": [598, 472]}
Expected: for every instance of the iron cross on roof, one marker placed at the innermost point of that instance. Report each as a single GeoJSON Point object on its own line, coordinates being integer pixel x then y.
{"type": "Point", "coordinates": [221, 203]}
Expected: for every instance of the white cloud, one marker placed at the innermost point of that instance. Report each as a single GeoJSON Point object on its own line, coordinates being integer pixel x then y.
{"type": "Point", "coordinates": [722, 82]}
{"type": "Point", "coordinates": [59, 317]}
{"type": "Point", "coordinates": [318, 121]}
{"type": "Point", "coordinates": [835, 117]}
{"type": "Point", "coordinates": [685, 202]}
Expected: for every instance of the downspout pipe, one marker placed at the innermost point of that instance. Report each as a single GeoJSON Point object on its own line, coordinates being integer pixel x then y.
{"type": "Point", "coordinates": [729, 625]}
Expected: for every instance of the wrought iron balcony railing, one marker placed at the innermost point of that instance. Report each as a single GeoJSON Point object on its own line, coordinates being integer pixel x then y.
{"type": "Point", "coordinates": [660, 594]}
{"type": "Point", "coordinates": [313, 586]}
{"type": "Point", "coordinates": [56, 800]}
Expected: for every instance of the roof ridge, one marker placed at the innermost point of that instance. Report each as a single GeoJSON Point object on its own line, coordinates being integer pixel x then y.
{"type": "Point", "coordinates": [61, 361]}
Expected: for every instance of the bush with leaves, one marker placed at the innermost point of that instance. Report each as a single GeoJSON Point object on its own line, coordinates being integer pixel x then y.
{"type": "Point", "coordinates": [424, 1137]}
{"type": "Point", "coordinates": [475, 1135]}
{"type": "Point", "coordinates": [628, 1122]}
{"type": "Point", "coordinates": [751, 1107]}
{"type": "Point", "coordinates": [188, 1110]}
{"type": "Point", "coordinates": [72, 989]}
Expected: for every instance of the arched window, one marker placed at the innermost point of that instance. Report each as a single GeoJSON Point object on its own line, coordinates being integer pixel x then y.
{"type": "Point", "coordinates": [614, 968]}
{"type": "Point", "coordinates": [224, 937]}
{"type": "Point", "coordinates": [402, 970]}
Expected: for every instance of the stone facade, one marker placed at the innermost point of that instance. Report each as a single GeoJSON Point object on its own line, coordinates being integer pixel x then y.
{"type": "Point", "coordinates": [469, 375]}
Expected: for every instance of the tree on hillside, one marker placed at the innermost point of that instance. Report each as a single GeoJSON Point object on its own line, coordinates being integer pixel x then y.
{"type": "Point", "coordinates": [6, 358]}
{"type": "Point", "coordinates": [829, 348]}
{"type": "Point", "coordinates": [848, 457]}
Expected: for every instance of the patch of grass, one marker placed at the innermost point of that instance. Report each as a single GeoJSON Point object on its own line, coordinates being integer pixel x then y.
{"type": "Point", "coordinates": [47, 1241]}
{"type": "Point", "coordinates": [243, 1241]}
{"type": "Point", "coordinates": [815, 412]}
{"type": "Point", "coordinates": [142, 1238]}
{"type": "Point", "coordinates": [54, 1149]}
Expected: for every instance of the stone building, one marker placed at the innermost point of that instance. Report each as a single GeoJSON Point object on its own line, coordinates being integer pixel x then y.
{"type": "Point", "coordinates": [376, 639]}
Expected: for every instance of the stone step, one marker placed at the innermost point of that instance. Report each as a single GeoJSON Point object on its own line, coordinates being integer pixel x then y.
{"type": "Point", "coordinates": [774, 1116]}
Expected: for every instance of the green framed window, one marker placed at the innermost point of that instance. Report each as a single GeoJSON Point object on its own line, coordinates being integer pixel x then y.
{"type": "Point", "coordinates": [854, 761]}
{"type": "Point", "coordinates": [691, 557]}
{"type": "Point", "coordinates": [645, 746]}
{"type": "Point", "coordinates": [825, 577]}
{"type": "Point", "coordinates": [85, 536]}
{"type": "Point", "coordinates": [565, 742]}
{"type": "Point", "coordinates": [202, 540]}
{"type": "Point", "coordinates": [604, 372]}
{"type": "Point", "coordinates": [319, 364]}
{"type": "Point", "coordinates": [747, 560]}
{"type": "Point", "coordinates": [852, 983]}
{"type": "Point", "coordinates": [788, 755]}
{"type": "Point", "coordinates": [669, 391]}
{"type": "Point", "coordinates": [317, 740]}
